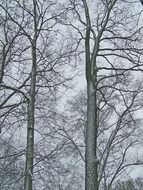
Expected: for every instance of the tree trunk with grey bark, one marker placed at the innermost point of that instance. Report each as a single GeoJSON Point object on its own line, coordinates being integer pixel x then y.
{"type": "Point", "coordinates": [31, 110]}
{"type": "Point", "coordinates": [91, 182]}
{"type": "Point", "coordinates": [91, 161]}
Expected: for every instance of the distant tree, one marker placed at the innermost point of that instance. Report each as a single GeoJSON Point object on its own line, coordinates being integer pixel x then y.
{"type": "Point", "coordinates": [11, 165]}
{"type": "Point", "coordinates": [131, 184]}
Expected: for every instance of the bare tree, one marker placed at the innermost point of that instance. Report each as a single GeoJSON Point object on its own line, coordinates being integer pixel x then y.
{"type": "Point", "coordinates": [112, 48]}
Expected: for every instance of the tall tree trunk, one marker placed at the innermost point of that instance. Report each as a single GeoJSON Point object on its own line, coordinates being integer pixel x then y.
{"type": "Point", "coordinates": [91, 161]}
{"type": "Point", "coordinates": [31, 111]}
{"type": "Point", "coordinates": [91, 182]}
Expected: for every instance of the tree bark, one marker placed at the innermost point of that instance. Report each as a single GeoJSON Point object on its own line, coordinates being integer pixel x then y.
{"type": "Point", "coordinates": [91, 182]}
{"type": "Point", "coordinates": [91, 161]}
{"type": "Point", "coordinates": [31, 111]}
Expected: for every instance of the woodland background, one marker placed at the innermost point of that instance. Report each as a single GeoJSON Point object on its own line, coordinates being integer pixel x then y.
{"type": "Point", "coordinates": [44, 103]}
